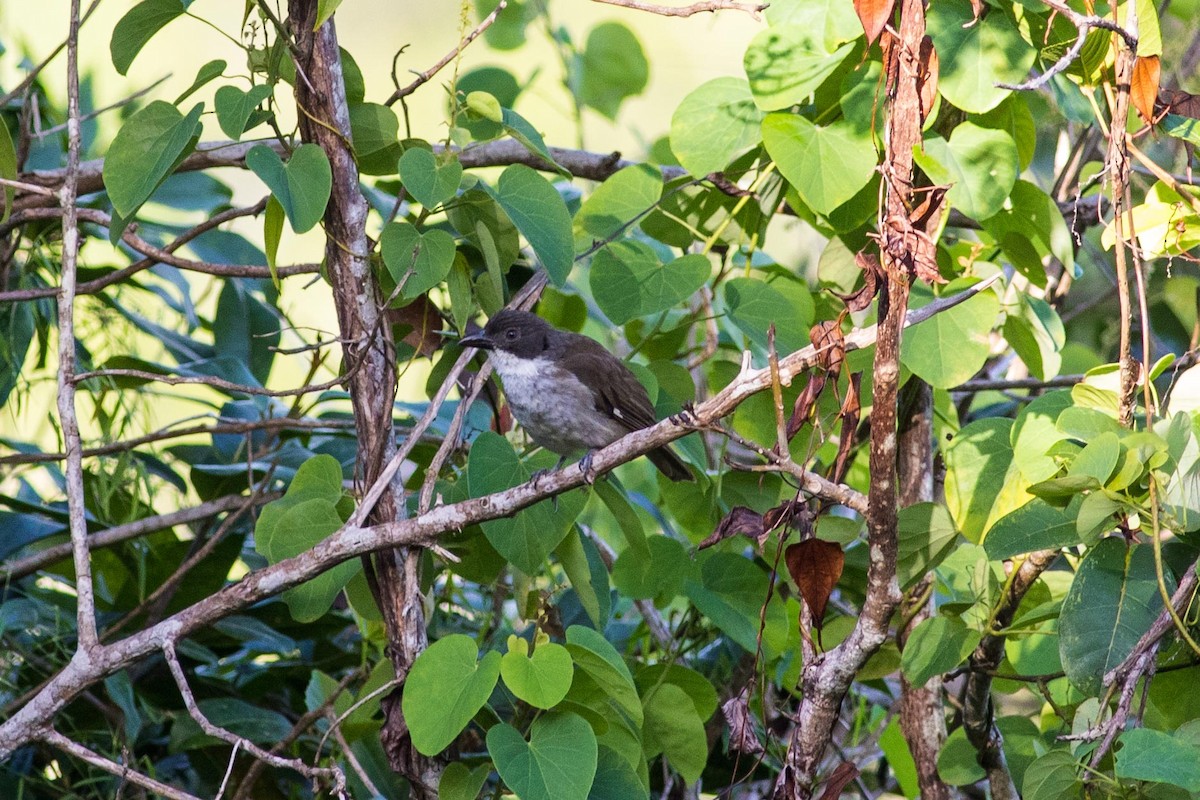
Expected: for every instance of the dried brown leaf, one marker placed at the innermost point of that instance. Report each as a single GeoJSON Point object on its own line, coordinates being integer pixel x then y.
{"type": "Point", "coordinates": [791, 512]}
{"type": "Point", "coordinates": [841, 775]}
{"type": "Point", "coordinates": [927, 76]}
{"type": "Point", "coordinates": [806, 404]}
{"type": "Point", "coordinates": [815, 565]}
{"type": "Point", "coordinates": [1177, 101]}
{"type": "Point", "coordinates": [418, 325]}
{"type": "Point", "coordinates": [742, 738]}
{"type": "Point", "coordinates": [872, 271]}
{"type": "Point", "coordinates": [874, 16]}
{"type": "Point", "coordinates": [740, 521]}
{"type": "Point", "coordinates": [849, 415]}
{"type": "Point", "coordinates": [1143, 85]}
{"type": "Point", "coordinates": [831, 345]}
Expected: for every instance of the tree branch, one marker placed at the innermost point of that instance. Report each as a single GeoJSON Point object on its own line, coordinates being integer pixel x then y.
{"type": "Point", "coordinates": [350, 541]}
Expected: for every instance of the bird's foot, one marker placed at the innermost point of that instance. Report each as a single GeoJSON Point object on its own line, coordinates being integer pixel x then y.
{"type": "Point", "coordinates": [536, 477]}
{"type": "Point", "coordinates": [686, 418]}
{"type": "Point", "coordinates": [585, 466]}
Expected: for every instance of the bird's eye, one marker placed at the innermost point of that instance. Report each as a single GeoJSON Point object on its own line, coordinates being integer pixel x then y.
{"type": "Point", "coordinates": [510, 334]}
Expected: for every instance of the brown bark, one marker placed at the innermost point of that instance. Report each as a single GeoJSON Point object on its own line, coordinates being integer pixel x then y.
{"type": "Point", "coordinates": [369, 358]}
{"type": "Point", "coordinates": [921, 716]}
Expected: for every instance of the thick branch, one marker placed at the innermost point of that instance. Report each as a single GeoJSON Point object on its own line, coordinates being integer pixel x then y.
{"type": "Point", "coordinates": [351, 542]}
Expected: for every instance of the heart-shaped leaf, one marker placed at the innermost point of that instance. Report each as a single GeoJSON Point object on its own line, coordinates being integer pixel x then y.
{"type": "Point", "coordinates": [628, 281]}
{"type": "Point", "coordinates": [138, 26]}
{"type": "Point", "coordinates": [234, 107]}
{"type": "Point", "coordinates": [528, 538]}
{"type": "Point", "coordinates": [427, 180]}
{"type": "Point", "coordinates": [826, 164]}
{"type": "Point", "coordinates": [541, 215]}
{"type": "Point", "coordinates": [427, 256]}
{"type": "Point", "coordinates": [302, 186]}
{"type": "Point", "coordinates": [445, 689]}
{"type": "Point", "coordinates": [145, 151]}
{"type": "Point", "coordinates": [541, 680]}
{"type": "Point", "coordinates": [557, 763]}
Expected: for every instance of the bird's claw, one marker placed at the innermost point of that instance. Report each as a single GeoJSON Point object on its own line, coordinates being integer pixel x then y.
{"type": "Point", "coordinates": [585, 466]}
{"type": "Point", "coordinates": [686, 418]}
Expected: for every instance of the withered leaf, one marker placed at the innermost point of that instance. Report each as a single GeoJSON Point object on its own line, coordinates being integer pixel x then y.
{"type": "Point", "coordinates": [815, 565]}
{"type": "Point", "coordinates": [418, 324]}
{"type": "Point", "coordinates": [1177, 101]}
{"type": "Point", "coordinates": [874, 16]}
{"type": "Point", "coordinates": [927, 215]}
{"type": "Point", "coordinates": [831, 345]}
{"type": "Point", "coordinates": [740, 521]}
{"type": "Point", "coordinates": [791, 512]}
{"type": "Point", "coordinates": [806, 403]}
{"type": "Point", "coordinates": [849, 415]}
{"type": "Point", "coordinates": [927, 76]}
{"type": "Point", "coordinates": [742, 738]}
{"type": "Point", "coordinates": [838, 780]}
{"type": "Point", "coordinates": [1143, 85]}
{"type": "Point", "coordinates": [872, 271]}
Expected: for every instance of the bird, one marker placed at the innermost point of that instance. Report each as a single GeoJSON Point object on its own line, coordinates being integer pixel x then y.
{"type": "Point", "coordinates": [568, 392]}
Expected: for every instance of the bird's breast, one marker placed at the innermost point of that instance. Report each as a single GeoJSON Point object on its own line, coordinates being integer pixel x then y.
{"type": "Point", "coordinates": [556, 409]}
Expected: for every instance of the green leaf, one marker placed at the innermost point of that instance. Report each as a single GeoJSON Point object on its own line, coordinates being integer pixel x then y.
{"type": "Point", "coordinates": [1098, 458]}
{"type": "Point", "coordinates": [429, 181]}
{"type": "Point", "coordinates": [1035, 431]}
{"type": "Point", "coordinates": [595, 657]}
{"type": "Point", "coordinates": [325, 9]}
{"type": "Point", "coordinates": [616, 778]}
{"type": "Point", "coordinates": [234, 107]}
{"type": "Point", "coordinates": [1037, 336]}
{"type": "Point", "coordinates": [1149, 34]}
{"type": "Point", "coordinates": [541, 679]}
{"type": "Point", "coordinates": [445, 689]}
{"type": "Point", "coordinates": [925, 536]}
{"type": "Point", "coordinates": [937, 645]}
{"type": "Point", "coordinates": [827, 164]}
{"type": "Point", "coordinates": [1150, 755]}
{"type": "Point", "coordinates": [730, 591]}
{"type": "Point", "coordinates": [540, 214]}
{"type": "Point", "coordinates": [621, 199]}
{"type": "Point", "coordinates": [375, 130]}
{"type": "Point", "coordinates": [205, 75]}
{"type": "Point", "coordinates": [612, 68]}
{"type": "Point", "coordinates": [8, 171]}
{"type": "Point", "coordinates": [1052, 776]}
{"type": "Point", "coordinates": [557, 763]}
{"type": "Point", "coordinates": [459, 782]}
{"type": "Point", "coordinates": [301, 527]}
{"type": "Point", "coordinates": [982, 482]}
{"type": "Point", "coordinates": [428, 256]}
{"type": "Point", "coordinates": [694, 685]}
{"type": "Point", "coordinates": [272, 235]}
{"type": "Point", "coordinates": [957, 762]}
{"type": "Point", "coordinates": [527, 539]}
{"type": "Point", "coordinates": [981, 163]}
{"type": "Point", "coordinates": [949, 348]}
{"type": "Point", "coordinates": [673, 728]}
{"type": "Point", "coordinates": [237, 716]}
{"type": "Point", "coordinates": [659, 572]}
{"type": "Point", "coordinates": [145, 151]}
{"type": "Point", "coordinates": [785, 65]}
{"type": "Point", "coordinates": [137, 27]}
{"type": "Point", "coordinates": [754, 305]}
{"type": "Point", "coordinates": [302, 186]}
{"type": "Point", "coordinates": [523, 131]}
{"type": "Point", "coordinates": [587, 574]}
{"type": "Point", "coordinates": [1112, 601]}
{"type": "Point", "coordinates": [975, 55]}
{"type": "Point", "coordinates": [1030, 228]}
{"type": "Point", "coordinates": [628, 282]}
{"type": "Point", "coordinates": [834, 21]}
{"type": "Point", "coordinates": [1037, 525]}
{"type": "Point", "coordinates": [715, 123]}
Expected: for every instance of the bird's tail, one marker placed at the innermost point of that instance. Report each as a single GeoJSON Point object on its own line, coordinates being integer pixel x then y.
{"type": "Point", "coordinates": [670, 464]}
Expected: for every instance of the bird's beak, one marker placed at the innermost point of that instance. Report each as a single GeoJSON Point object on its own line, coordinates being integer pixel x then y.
{"type": "Point", "coordinates": [479, 340]}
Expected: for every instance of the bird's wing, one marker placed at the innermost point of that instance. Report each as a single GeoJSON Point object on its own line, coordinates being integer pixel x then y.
{"type": "Point", "coordinates": [619, 393]}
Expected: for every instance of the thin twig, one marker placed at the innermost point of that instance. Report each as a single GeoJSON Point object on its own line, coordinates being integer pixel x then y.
{"type": "Point", "coordinates": [314, 774]}
{"type": "Point", "coordinates": [72, 442]}
{"type": "Point", "coordinates": [704, 7]}
{"type": "Point", "coordinates": [423, 77]}
{"type": "Point", "coordinates": [73, 748]}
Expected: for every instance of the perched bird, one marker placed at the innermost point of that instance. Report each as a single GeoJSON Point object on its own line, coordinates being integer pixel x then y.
{"type": "Point", "coordinates": [568, 392]}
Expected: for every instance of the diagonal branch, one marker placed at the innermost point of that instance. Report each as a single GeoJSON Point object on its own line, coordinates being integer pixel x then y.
{"type": "Point", "coordinates": [351, 541]}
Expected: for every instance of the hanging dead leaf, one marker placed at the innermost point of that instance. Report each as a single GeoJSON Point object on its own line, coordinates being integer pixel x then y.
{"type": "Point", "coordinates": [861, 298]}
{"type": "Point", "coordinates": [927, 77]}
{"type": "Point", "coordinates": [874, 16]}
{"type": "Point", "coordinates": [1177, 101]}
{"type": "Point", "coordinates": [831, 345]}
{"type": "Point", "coordinates": [838, 780]}
{"type": "Point", "coordinates": [806, 404]}
{"type": "Point", "coordinates": [1143, 85]}
{"type": "Point", "coordinates": [927, 214]}
{"type": "Point", "coordinates": [792, 512]}
{"type": "Point", "coordinates": [740, 521]}
{"type": "Point", "coordinates": [849, 415]}
{"type": "Point", "coordinates": [815, 565]}
{"type": "Point", "coordinates": [418, 325]}
{"type": "Point", "coordinates": [742, 738]}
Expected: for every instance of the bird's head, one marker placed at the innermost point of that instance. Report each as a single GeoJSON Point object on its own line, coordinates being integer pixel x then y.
{"type": "Point", "coordinates": [519, 333]}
